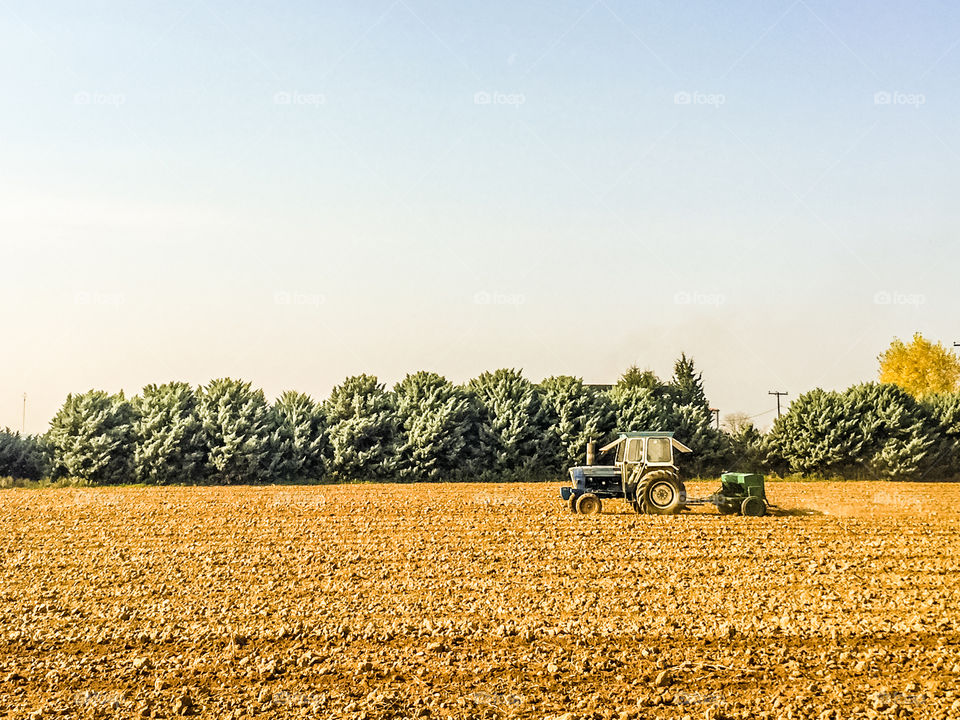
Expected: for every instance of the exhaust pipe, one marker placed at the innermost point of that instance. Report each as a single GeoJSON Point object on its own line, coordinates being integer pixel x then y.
{"type": "Point", "coordinates": [591, 452]}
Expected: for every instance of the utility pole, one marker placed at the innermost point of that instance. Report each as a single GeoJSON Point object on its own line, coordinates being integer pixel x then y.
{"type": "Point", "coordinates": [778, 393]}
{"type": "Point", "coordinates": [716, 416]}
{"type": "Point", "coordinates": [23, 417]}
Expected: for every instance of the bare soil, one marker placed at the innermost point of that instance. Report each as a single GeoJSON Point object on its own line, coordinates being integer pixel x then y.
{"type": "Point", "coordinates": [477, 601]}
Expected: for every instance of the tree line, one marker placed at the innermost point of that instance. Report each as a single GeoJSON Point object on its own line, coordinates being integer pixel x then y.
{"type": "Point", "coordinates": [499, 426]}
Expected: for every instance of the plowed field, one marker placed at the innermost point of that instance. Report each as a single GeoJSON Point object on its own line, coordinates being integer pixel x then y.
{"type": "Point", "coordinates": [477, 601]}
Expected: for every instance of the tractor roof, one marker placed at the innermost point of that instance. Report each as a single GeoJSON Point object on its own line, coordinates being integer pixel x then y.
{"type": "Point", "coordinates": [677, 445]}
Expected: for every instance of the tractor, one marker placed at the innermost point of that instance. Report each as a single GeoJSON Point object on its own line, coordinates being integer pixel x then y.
{"type": "Point", "coordinates": [645, 475]}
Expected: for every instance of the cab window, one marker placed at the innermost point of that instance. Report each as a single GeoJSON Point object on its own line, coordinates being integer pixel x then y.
{"type": "Point", "coordinates": [634, 450]}
{"type": "Point", "coordinates": [658, 450]}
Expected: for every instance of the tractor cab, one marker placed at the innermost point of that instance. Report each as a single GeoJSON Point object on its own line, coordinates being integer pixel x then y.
{"type": "Point", "coordinates": [636, 452]}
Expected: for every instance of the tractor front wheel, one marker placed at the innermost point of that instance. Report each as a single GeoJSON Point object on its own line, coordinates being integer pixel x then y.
{"type": "Point", "coordinates": [588, 504]}
{"type": "Point", "coordinates": [572, 503]}
{"type": "Point", "coordinates": [661, 493]}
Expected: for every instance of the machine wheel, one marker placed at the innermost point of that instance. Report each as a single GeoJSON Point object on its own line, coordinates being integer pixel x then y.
{"type": "Point", "coordinates": [661, 493]}
{"type": "Point", "coordinates": [753, 507]}
{"type": "Point", "coordinates": [572, 503]}
{"type": "Point", "coordinates": [588, 504]}
{"type": "Point", "coordinates": [727, 507]}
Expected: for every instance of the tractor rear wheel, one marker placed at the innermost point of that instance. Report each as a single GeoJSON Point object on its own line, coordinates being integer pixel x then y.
{"type": "Point", "coordinates": [588, 504]}
{"type": "Point", "coordinates": [572, 503]}
{"type": "Point", "coordinates": [754, 507]}
{"type": "Point", "coordinates": [661, 493]}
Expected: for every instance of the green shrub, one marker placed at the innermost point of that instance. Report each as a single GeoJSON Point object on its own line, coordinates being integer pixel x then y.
{"type": "Point", "coordinates": [92, 438]}
{"type": "Point", "coordinates": [298, 439]}
{"type": "Point", "coordinates": [22, 457]}
{"type": "Point", "coordinates": [236, 423]}
{"type": "Point", "coordinates": [362, 428]}
{"type": "Point", "coordinates": [513, 440]}
{"type": "Point", "coordinates": [169, 439]}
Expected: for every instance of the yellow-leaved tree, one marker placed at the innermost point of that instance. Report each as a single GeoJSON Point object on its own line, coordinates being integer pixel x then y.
{"type": "Point", "coordinates": [920, 367]}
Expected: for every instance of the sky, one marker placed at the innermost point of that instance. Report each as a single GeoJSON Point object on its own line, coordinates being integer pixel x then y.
{"type": "Point", "coordinates": [296, 192]}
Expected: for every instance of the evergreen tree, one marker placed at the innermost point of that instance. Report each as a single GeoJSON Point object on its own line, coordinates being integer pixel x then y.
{"type": "Point", "coordinates": [819, 435]}
{"type": "Point", "coordinates": [639, 408]}
{"type": "Point", "coordinates": [437, 428]}
{"type": "Point", "coordinates": [944, 411]}
{"type": "Point", "coordinates": [575, 414]}
{"type": "Point", "coordinates": [513, 440]}
{"type": "Point", "coordinates": [362, 427]}
{"type": "Point", "coordinates": [692, 424]}
{"type": "Point", "coordinates": [687, 384]}
{"type": "Point", "coordinates": [745, 448]}
{"type": "Point", "coordinates": [21, 456]}
{"type": "Point", "coordinates": [898, 435]}
{"type": "Point", "coordinates": [634, 377]}
{"type": "Point", "coordinates": [169, 441]}
{"type": "Point", "coordinates": [236, 422]}
{"type": "Point", "coordinates": [298, 439]}
{"type": "Point", "coordinates": [91, 438]}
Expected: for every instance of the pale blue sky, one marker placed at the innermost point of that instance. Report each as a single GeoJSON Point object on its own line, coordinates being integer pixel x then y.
{"type": "Point", "coordinates": [293, 193]}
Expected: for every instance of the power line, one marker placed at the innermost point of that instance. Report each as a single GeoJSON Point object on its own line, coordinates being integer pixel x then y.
{"type": "Point", "coordinates": [778, 393]}
{"type": "Point", "coordinates": [23, 417]}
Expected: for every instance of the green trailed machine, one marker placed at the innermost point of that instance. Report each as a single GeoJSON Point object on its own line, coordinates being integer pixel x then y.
{"type": "Point", "coordinates": [739, 494]}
